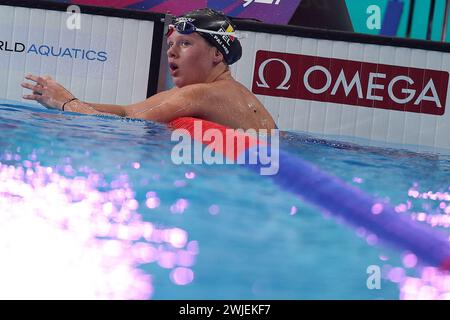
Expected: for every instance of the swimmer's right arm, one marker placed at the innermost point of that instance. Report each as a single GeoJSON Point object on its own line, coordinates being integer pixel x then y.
{"type": "Point", "coordinates": [136, 110]}
{"type": "Point", "coordinates": [88, 108]}
{"type": "Point", "coordinates": [52, 95]}
{"type": "Point", "coordinates": [115, 109]}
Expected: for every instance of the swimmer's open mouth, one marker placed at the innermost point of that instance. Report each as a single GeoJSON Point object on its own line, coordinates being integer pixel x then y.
{"type": "Point", "coordinates": [173, 66]}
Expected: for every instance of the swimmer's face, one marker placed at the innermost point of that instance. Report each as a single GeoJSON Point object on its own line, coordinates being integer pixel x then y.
{"type": "Point", "coordinates": [191, 59]}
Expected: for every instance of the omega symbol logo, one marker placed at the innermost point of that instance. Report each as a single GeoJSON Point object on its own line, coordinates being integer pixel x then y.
{"type": "Point", "coordinates": [263, 83]}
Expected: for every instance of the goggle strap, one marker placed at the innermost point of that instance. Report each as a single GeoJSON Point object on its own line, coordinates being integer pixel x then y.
{"type": "Point", "coordinates": [233, 34]}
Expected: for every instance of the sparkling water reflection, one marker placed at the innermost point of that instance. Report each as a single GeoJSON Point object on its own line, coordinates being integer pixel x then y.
{"type": "Point", "coordinates": [93, 208]}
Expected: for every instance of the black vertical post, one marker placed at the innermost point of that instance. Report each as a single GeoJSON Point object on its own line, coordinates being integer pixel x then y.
{"type": "Point", "coordinates": [430, 19]}
{"type": "Point", "coordinates": [444, 26]}
{"type": "Point", "coordinates": [412, 5]}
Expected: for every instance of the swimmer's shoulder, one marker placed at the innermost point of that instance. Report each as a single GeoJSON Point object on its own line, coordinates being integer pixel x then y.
{"type": "Point", "coordinates": [222, 89]}
{"type": "Point", "coordinates": [198, 91]}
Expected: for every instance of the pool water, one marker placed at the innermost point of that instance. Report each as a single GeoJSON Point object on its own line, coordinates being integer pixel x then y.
{"type": "Point", "coordinates": [92, 207]}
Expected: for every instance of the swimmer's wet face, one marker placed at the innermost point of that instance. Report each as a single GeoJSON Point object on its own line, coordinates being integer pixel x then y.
{"type": "Point", "coordinates": [191, 58]}
{"type": "Point", "coordinates": [202, 43]}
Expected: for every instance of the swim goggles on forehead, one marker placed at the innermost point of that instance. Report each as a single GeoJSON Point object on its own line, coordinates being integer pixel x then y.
{"type": "Point", "coordinates": [186, 27]}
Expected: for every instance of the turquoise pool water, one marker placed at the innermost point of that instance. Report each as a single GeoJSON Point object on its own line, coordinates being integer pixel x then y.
{"type": "Point", "coordinates": [93, 207]}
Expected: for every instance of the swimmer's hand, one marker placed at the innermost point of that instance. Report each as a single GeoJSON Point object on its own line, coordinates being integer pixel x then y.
{"type": "Point", "coordinates": [47, 92]}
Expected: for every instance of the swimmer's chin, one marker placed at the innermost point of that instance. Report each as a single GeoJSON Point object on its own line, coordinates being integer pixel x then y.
{"type": "Point", "coordinates": [179, 83]}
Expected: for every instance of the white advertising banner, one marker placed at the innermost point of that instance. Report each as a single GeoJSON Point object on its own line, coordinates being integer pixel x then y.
{"type": "Point", "coordinates": [99, 59]}
{"type": "Point", "coordinates": [373, 91]}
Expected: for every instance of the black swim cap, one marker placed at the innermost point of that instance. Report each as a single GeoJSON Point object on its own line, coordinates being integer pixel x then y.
{"type": "Point", "coordinates": [213, 20]}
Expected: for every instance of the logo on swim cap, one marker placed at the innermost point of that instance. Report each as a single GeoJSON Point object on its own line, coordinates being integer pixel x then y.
{"type": "Point", "coordinates": [225, 41]}
{"type": "Point", "coordinates": [212, 20]}
{"type": "Point", "coordinates": [184, 19]}
{"type": "Point", "coordinates": [230, 29]}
